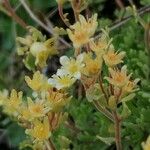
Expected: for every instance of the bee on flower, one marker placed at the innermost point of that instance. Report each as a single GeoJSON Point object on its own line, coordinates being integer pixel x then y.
{"type": "Point", "coordinates": [81, 32]}
{"type": "Point", "coordinates": [118, 78]}
{"type": "Point", "coordinates": [42, 50]}
{"type": "Point", "coordinates": [36, 48]}
{"type": "Point", "coordinates": [113, 58]}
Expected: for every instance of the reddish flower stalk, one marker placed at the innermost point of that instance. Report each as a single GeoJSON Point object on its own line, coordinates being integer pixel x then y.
{"type": "Point", "coordinates": [13, 14]}
{"type": "Point", "coordinates": [117, 131]}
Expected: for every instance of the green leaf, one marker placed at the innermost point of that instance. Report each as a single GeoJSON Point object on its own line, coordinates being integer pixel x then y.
{"type": "Point", "coordinates": [128, 98]}
{"type": "Point", "coordinates": [16, 134]}
{"type": "Point", "coordinates": [112, 102]}
{"type": "Point", "coordinates": [106, 140]}
{"type": "Point", "coordinates": [64, 142]}
{"type": "Point", "coordinates": [125, 111]}
{"type": "Point", "coordinates": [95, 93]}
{"type": "Point", "coordinates": [29, 62]}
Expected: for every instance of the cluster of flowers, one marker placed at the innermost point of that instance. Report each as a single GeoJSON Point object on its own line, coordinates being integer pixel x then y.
{"type": "Point", "coordinates": [87, 65]}
{"type": "Point", "coordinates": [39, 115]}
{"type": "Point", "coordinates": [42, 113]}
{"type": "Point", "coordinates": [35, 48]}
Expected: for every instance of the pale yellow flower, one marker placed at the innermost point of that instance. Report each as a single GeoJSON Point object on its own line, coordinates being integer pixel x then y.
{"type": "Point", "coordinates": [99, 46]}
{"type": "Point", "coordinates": [146, 145]}
{"type": "Point", "coordinates": [82, 30]}
{"type": "Point", "coordinates": [60, 82]}
{"type": "Point", "coordinates": [35, 46]}
{"type": "Point", "coordinates": [40, 130]}
{"type": "Point", "coordinates": [24, 113]}
{"type": "Point", "coordinates": [56, 100]}
{"type": "Point", "coordinates": [118, 78]}
{"type": "Point", "coordinates": [71, 66]}
{"type": "Point", "coordinates": [27, 42]}
{"type": "Point", "coordinates": [113, 58]}
{"type": "Point", "coordinates": [13, 103]}
{"type": "Point", "coordinates": [37, 108]}
{"type": "Point", "coordinates": [130, 86]}
{"type": "Point", "coordinates": [92, 65]}
{"type": "Point", "coordinates": [42, 50]}
{"type": "Point", "coordinates": [38, 82]}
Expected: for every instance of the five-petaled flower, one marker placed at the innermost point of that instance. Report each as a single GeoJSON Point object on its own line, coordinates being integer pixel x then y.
{"type": "Point", "coordinates": [99, 46]}
{"type": "Point", "coordinates": [71, 66]}
{"type": "Point", "coordinates": [12, 104]}
{"type": "Point", "coordinates": [82, 30]}
{"type": "Point", "coordinates": [40, 130]}
{"type": "Point", "coordinates": [63, 81]}
{"type": "Point", "coordinates": [113, 58]}
{"type": "Point", "coordinates": [92, 65]}
{"type": "Point", "coordinates": [38, 82]}
{"type": "Point", "coordinates": [56, 100]}
{"type": "Point", "coordinates": [37, 108]}
{"type": "Point", "coordinates": [130, 86]}
{"type": "Point", "coordinates": [118, 78]}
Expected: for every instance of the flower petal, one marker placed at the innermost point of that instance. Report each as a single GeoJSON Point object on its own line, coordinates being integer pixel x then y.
{"type": "Point", "coordinates": [64, 60]}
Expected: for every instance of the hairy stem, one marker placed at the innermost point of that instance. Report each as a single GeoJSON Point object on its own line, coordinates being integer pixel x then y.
{"type": "Point", "coordinates": [117, 131]}
{"type": "Point", "coordinates": [50, 145]}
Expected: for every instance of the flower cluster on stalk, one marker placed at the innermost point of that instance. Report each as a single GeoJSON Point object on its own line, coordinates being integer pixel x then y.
{"type": "Point", "coordinates": [96, 64]}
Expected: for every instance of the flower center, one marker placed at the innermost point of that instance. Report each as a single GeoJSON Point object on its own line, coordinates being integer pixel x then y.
{"type": "Point", "coordinates": [119, 77]}
{"type": "Point", "coordinates": [112, 56]}
{"type": "Point", "coordinates": [73, 68]}
{"type": "Point", "coordinates": [64, 80]}
{"type": "Point", "coordinates": [37, 109]}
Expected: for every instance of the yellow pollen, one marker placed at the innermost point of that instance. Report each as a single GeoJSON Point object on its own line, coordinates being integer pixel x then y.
{"type": "Point", "coordinates": [119, 77]}
{"type": "Point", "coordinates": [64, 80]}
{"type": "Point", "coordinates": [37, 109]}
{"type": "Point", "coordinates": [112, 56]}
{"type": "Point", "coordinates": [80, 36]}
{"type": "Point", "coordinates": [73, 68]}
